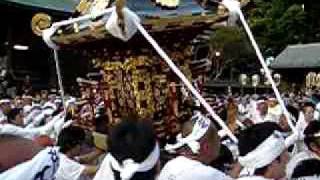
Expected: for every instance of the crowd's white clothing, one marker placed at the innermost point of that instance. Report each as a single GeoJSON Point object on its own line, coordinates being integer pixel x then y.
{"type": "Point", "coordinates": [69, 169]}
{"type": "Point", "coordinates": [52, 128]}
{"type": "Point", "coordinates": [300, 126]}
{"type": "Point", "coordinates": [33, 113]}
{"type": "Point", "coordinates": [182, 168]}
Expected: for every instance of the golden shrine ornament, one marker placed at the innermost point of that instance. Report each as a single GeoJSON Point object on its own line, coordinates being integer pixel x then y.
{"type": "Point", "coordinates": [40, 22]}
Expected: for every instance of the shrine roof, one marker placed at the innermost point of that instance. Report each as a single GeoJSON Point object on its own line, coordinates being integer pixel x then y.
{"type": "Point", "coordinates": [298, 56]}
{"type": "Point", "coordinates": [66, 6]}
{"type": "Point", "coordinates": [145, 8]}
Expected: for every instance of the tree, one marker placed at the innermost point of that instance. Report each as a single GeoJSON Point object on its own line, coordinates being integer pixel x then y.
{"type": "Point", "coordinates": [277, 23]}
{"type": "Point", "coordinates": [228, 48]}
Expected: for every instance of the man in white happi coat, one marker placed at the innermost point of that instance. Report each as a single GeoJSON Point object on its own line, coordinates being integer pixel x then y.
{"type": "Point", "coordinates": [69, 142]}
{"type": "Point", "coordinates": [312, 141]}
{"type": "Point", "coordinates": [198, 145]}
{"type": "Point", "coordinates": [260, 113]}
{"type": "Point", "coordinates": [263, 154]}
{"type": "Point", "coordinates": [305, 117]}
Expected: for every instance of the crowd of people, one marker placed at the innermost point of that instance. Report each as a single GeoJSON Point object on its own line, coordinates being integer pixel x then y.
{"type": "Point", "coordinates": [40, 140]}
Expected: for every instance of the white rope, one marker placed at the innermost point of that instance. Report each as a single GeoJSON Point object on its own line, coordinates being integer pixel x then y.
{"type": "Point", "coordinates": [267, 71]}
{"type": "Point", "coordinates": [82, 18]}
{"type": "Point", "coordinates": [233, 6]}
{"type": "Point", "coordinates": [56, 59]}
{"type": "Point", "coordinates": [183, 78]}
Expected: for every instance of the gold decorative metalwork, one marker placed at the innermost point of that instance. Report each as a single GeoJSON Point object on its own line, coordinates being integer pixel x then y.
{"type": "Point", "coordinates": [40, 22]}
{"type": "Point", "coordinates": [84, 6]}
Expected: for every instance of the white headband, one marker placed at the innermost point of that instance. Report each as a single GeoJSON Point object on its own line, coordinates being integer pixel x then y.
{"type": "Point", "coordinates": [261, 101]}
{"type": "Point", "coordinates": [128, 167]}
{"type": "Point", "coordinates": [200, 128]}
{"type": "Point", "coordinates": [264, 154]}
{"type": "Point", "coordinates": [42, 166]}
{"type": "Point", "coordinates": [3, 101]}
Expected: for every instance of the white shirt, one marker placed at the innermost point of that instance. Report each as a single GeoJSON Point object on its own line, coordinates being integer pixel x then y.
{"type": "Point", "coordinates": [182, 168]}
{"type": "Point", "coordinates": [69, 169]}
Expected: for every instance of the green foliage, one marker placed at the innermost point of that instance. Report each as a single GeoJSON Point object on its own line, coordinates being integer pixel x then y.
{"type": "Point", "coordinates": [277, 23]}
{"type": "Point", "coordinates": [234, 48]}
{"type": "Point", "coordinates": [231, 42]}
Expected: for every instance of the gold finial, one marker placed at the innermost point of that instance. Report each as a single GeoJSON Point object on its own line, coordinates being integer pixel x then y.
{"type": "Point", "coordinates": [40, 22]}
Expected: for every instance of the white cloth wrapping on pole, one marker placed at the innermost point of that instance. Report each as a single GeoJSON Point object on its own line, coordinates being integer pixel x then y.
{"type": "Point", "coordinates": [128, 167]}
{"type": "Point", "coordinates": [200, 127]}
{"type": "Point", "coordinates": [46, 36]}
{"type": "Point", "coordinates": [264, 154]}
{"type": "Point", "coordinates": [58, 71]}
{"type": "Point", "coordinates": [130, 29]}
{"type": "Point", "coordinates": [42, 166]}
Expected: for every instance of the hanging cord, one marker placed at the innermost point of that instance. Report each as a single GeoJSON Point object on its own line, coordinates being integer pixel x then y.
{"type": "Point", "coordinates": [56, 59]}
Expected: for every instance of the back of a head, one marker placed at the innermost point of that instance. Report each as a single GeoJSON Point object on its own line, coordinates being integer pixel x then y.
{"type": "Point", "coordinates": [70, 137]}
{"type": "Point", "coordinates": [250, 141]}
{"type": "Point", "coordinates": [133, 140]}
{"type": "Point", "coordinates": [307, 169]}
{"type": "Point", "coordinates": [311, 132]}
{"type": "Point", "coordinates": [252, 137]}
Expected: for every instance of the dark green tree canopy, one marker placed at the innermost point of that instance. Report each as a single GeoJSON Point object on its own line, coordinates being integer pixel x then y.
{"type": "Point", "coordinates": [277, 23]}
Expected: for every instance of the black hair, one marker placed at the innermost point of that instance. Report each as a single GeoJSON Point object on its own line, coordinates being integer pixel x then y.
{"type": "Point", "coordinates": [101, 124]}
{"type": "Point", "coordinates": [309, 104]}
{"type": "Point", "coordinates": [311, 129]}
{"type": "Point", "coordinates": [13, 113]}
{"type": "Point", "coordinates": [70, 137]}
{"type": "Point", "coordinates": [133, 140]}
{"type": "Point", "coordinates": [252, 137]}
{"type": "Point", "coordinates": [224, 160]}
{"type": "Point", "coordinates": [309, 167]}
{"type": "Point", "coordinates": [294, 111]}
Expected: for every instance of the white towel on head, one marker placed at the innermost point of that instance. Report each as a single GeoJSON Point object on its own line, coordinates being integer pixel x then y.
{"type": "Point", "coordinates": [128, 167]}
{"type": "Point", "coordinates": [264, 154]}
{"type": "Point", "coordinates": [200, 127]}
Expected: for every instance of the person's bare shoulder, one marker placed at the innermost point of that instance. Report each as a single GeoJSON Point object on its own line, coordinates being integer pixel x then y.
{"type": "Point", "coordinates": [16, 150]}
